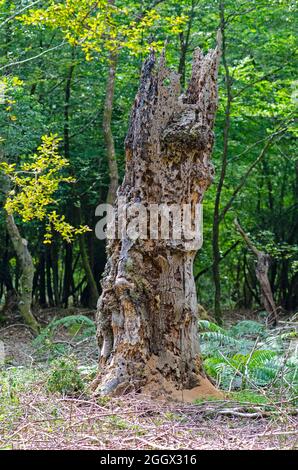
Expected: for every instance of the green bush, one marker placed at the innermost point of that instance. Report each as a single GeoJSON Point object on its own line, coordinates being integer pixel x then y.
{"type": "Point", "coordinates": [65, 377]}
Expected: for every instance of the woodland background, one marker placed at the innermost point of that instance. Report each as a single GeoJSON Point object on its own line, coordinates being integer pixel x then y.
{"type": "Point", "coordinates": [70, 70]}
{"type": "Point", "coordinates": [65, 90]}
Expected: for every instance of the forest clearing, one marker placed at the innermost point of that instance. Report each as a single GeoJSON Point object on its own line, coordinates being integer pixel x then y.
{"type": "Point", "coordinates": [148, 225]}
{"type": "Point", "coordinates": [46, 404]}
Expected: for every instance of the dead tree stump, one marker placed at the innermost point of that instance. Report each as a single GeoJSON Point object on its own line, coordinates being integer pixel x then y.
{"type": "Point", "coordinates": [147, 313]}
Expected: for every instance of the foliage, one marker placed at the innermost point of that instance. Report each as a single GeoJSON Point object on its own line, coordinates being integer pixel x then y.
{"type": "Point", "coordinates": [103, 25]}
{"type": "Point", "coordinates": [247, 329]}
{"type": "Point", "coordinates": [249, 363]}
{"type": "Point", "coordinates": [64, 376]}
{"type": "Point", "coordinates": [79, 326]}
{"type": "Point", "coordinates": [248, 396]}
{"type": "Point", "coordinates": [14, 381]}
{"type": "Point", "coordinates": [43, 54]}
{"type": "Point", "coordinates": [34, 186]}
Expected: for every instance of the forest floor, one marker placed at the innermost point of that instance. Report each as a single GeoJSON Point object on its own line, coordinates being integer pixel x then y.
{"type": "Point", "coordinates": [31, 417]}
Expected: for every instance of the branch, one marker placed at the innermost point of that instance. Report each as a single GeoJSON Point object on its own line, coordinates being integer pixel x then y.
{"type": "Point", "coordinates": [227, 125]}
{"type": "Point", "coordinates": [246, 238]}
{"type": "Point", "coordinates": [32, 58]}
{"type": "Point", "coordinates": [247, 173]}
{"type": "Point", "coordinates": [259, 79]}
{"type": "Point", "coordinates": [17, 13]}
{"type": "Point", "coordinates": [228, 251]}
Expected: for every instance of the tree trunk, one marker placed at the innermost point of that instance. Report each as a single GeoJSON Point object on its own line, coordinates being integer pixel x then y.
{"type": "Point", "coordinates": [107, 129]}
{"type": "Point", "coordinates": [184, 44]}
{"type": "Point", "coordinates": [147, 313]}
{"type": "Point", "coordinates": [11, 298]}
{"type": "Point", "coordinates": [222, 176]}
{"type": "Point", "coordinates": [91, 283]}
{"type": "Point", "coordinates": [68, 274]}
{"type": "Point", "coordinates": [262, 267]}
{"type": "Point", "coordinates": [49, 277]}
{"type": "Point", "coordinates": [39, 281]}
{"type": "Point", "coordinates": [25, 297]}
{"type": "Point", "coordinates": [92, 287]}
{"type": "Point", "coordinates": [54, 259]}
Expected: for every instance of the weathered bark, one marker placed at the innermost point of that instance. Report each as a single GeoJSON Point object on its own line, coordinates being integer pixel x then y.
{"type": "Point", "coordinates": [147, 313]}
{"type": "Point", "coordinates": [25, 296]}
{"type": "Point", "coordinates": [262, 267]}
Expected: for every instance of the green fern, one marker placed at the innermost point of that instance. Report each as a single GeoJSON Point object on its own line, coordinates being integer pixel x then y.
{"type": "Point", "coordinates": [248, 356]}
{"type": "Point", "coordinates": [221, 338]}
{"type": "Point", "coordinates": [206, 325]}
{"type": "Point", "coordinates": [248, 328]}
{"type": "Point", "coordinates": [215, 340]}
{"type": "Point", "coordinates": [79, 326]}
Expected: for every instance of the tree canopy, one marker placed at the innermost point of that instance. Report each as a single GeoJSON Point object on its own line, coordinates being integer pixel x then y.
{"type": "Point", "coordinates": [54, 66]}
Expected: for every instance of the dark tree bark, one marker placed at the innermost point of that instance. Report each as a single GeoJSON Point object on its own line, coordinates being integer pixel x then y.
{"type": "Point", "coordinates": [49, 277]}
{"type": "Point", "coordinates": [68, 274]}
{"type": "Point", "coordinates": [39, 281]}
{"type": "Point", "coordinates": [92, 287]}
{"type": "Point", "coordinates": [147, 313]}
{"type": "Point", "coordinates": [11, 298]}
{"type": "Point", "coordinates": [55, 270]}
{"type": "Point", "coordinates": [184, 37]}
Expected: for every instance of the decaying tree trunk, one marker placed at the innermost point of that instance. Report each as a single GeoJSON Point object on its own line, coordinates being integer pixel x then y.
{"type": "Point", "coordinates": [262, 267]}
{"type": "Point", "coordinates": [147, 313]}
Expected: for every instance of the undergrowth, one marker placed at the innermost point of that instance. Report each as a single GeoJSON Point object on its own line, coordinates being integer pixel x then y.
{"type": "Point", "coordinates": [249, 356]}
{"type": "Point", "coordinates": [245, 360]}
{"type": "Point", "coordinates": [255, 366]}
{"type": "Point", "coordinates": [78, 327]}
{"type": "Point", "coordinates": [246, 356]}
